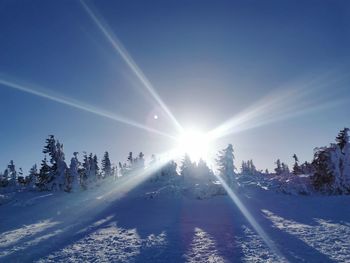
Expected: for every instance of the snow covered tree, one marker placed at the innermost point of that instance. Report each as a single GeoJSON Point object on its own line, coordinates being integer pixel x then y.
{"type": "Point", "coordinates": [130, 159]}
{"type": "Point", "coordinates": [323, 177]}
{"type": "Point", "coordinates": [61, 173]}
{"type": "Point", "coordinates": [74, 176]}
{"type": "Point", "coordinates": [21, 181]}
{"type": "Point", "coordinates": [186, 168]}
{"type": "Point", "coordinates": [122, 169]}
{"type": "Point", "coordinates": [332, 166]}
{"type": "Point", "coordinates": [96, 168]}
{"type": "Point", "coordinates": [2, 180]}
{"type": "Point", "coordinates": [278, 169]}
{"type": "Point", "coordinates": [114, 171]}
{"type": "Point", "coordinates": [296, 168]}
{"type": "Point", "coordinates": [106, 166]}
{"type": "Point", "coordinates": [225, 162]}
{"type": "Point", "coordinates": [12, 174]}
{"type": "Point", "coordinates": [140, 161]}
{"type": "Point", "coordinates": [85, 172]}
{"type": "Point", "coordinates": [343, 138]}
{"type": "Point", "coordinates": [168, 171]}
{"type": "Point", "coordinates": [248, 168]}
{"type": "Point", "coordinates": [203, 172]}
{"type": "Point", "coordinates": [58, 171]}
{"type": "Point", "coordinates": [32, 177]}
{"type": "Point", "coordinates": [44, 175]}
{"type": "Point", "coordinates": [94, 173]}
{"type": "Point", "coordinates": [306, 168]}
{"type": "Point", "coordinates": [285, 169]}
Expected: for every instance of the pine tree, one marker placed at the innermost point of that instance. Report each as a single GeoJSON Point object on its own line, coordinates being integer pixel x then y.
{"type": "Point", "coordinates": [186, 168]}
{"type": "Point", "coordinates": [20, 178]}
{"type": "Point", "coordinates": [60, 174]}
{"type": "Point", "coordinates": [50, 148]}
{"type": "Point", "coordinates": [121, 169]}
{"type": "Point", "coordinates": [225, 162]}
{"type": "Point", "coordinates": [58, 171]}
{"type": "Point", "coordinates": [74, 174]}
{"type": "Point", "coordinates": [140, 161]}
{"type": "Point", "coordinates": [115, 172]}
{"type": "Point", "coordinates": [130, 159]}
{"type": "Point", "coordinates": [85, 172]}
{"type": "Point", "coordinates": [343, 138]}
{"type": "Point", "coordinates": [285, 169]}
{"type": "Point", "coordinates": [296, 167]}
{"type": "Point", "coordinates": [331, 166]}
{"type": "Point", "coordinates": [106, 165]}
{"type": "Point", "coordinates": [32, 177]}
{"type": "Point", "coordinates": [1, 179]}
{"type": "Point", "coordinates": [204, 174]}
{"type": "Point", "coordinates": [322, 177]}
{"type": "Point", "coordinates": [278, 169]}
{"type": "Point", "coordinates": [44, 175]}
{"type": "Point", "coordinates": [5, 180]}
{"type": "Point", "coordinates": [12, 173]}
{"type": "Point", "coordinates": [96, 168]}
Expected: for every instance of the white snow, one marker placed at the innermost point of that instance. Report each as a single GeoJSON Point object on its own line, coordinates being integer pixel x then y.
{"type": "Point", "coordinates": [119, 222]}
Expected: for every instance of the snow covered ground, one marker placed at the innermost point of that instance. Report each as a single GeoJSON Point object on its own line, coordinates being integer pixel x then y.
{"type": "Point", "coordinates": [108, 224]}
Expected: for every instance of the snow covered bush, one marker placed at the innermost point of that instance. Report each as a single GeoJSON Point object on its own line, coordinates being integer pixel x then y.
{"type": "Point", "coordinates": [332, 166]}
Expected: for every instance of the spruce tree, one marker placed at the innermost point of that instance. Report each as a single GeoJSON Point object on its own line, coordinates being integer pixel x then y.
{"type": "Point", "coordinates": [85, 172]}
{"type": "Point", "coordinates": [322, 177]}
{"type": "Point", "coordinates": [96, 167]}
{"type": "Point", "coordinates": [278, 169]}
{"type": "Point", "coordinates": [74, 173]}
{"type": "Point", "coordinates": [12, 173]}
{"type": "Point", "coordinates": [296, 167]}
{"type": "Point", "coordinates": [141, 161]}
{"type": "Point", "coordinates": [44, 175]}
{"type": "Point", "coordinates": [106, 165]}
{"type": "Point", "coordinates": [31, 179]}
{"type": "Point", "coordinates": [186, 168]}
{"type": "Point", "coordinates": [225, 162]}
{"type": "Point", "coordinates": [343, 138]}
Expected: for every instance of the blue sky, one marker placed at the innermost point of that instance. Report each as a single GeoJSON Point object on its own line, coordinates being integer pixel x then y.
{"type": "Point", "coordinates": [207, 60]}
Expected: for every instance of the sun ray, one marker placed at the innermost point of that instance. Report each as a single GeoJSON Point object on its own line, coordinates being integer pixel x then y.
{"type": "Point", "coordinates": [294, 100]}
{"type": "Point", "coordinates": [258, 229]}
{"type": "Point", "coordinates": [113, 40]}
{"type": "Point", "coordinates": [78, 105]}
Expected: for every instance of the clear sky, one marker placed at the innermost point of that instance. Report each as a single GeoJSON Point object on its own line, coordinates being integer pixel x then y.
{"type": "Point", "coordinates": [284, 64]}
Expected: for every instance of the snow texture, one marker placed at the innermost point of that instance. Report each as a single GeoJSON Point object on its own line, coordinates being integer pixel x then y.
{"type": "Point", "coordinates": [152, 221]}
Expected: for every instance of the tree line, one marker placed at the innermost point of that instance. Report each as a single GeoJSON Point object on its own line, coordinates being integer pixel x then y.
{"type": "Point", "coordinates": [328, 172]}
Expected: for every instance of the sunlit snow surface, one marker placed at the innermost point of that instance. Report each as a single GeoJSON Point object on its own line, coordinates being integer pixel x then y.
{"type": "Point", "coordinates": [108, 224]}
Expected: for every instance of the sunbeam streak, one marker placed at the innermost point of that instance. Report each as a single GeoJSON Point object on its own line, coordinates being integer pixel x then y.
{"type": "Point", "coordinates": [258, 229]}
{"type": "Point", "coordinates": [78, 105]}
{"type": "Point", "coordinates": [311, 96]}
{"type": "Point", "coordinates": [113, 40]}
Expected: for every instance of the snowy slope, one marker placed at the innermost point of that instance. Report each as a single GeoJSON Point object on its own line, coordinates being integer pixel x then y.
{"type": "Point", "coordinates": [108, 224]}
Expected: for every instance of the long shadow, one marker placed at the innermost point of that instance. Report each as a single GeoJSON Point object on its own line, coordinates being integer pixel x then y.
{"type": "Point", "coordinates": [291, 247]}
{"type": "Point", "coordinates": [129, 213]}
{"type": "Point", "coordinates": [178, 217]}
{"type": "Point", "coordinates": [303, 209]}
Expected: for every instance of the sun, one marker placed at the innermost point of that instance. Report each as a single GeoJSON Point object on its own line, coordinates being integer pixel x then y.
{"type": "Point", "coordinates": [194, 143]}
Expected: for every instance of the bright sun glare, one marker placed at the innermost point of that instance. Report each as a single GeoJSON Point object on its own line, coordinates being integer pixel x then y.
{"type": "Point", "coordinates": [194, 143]}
